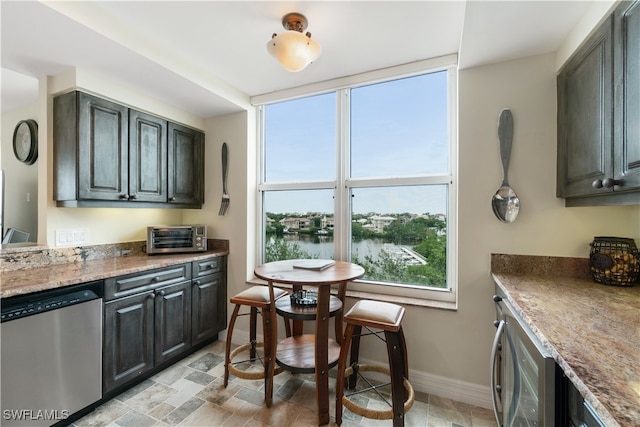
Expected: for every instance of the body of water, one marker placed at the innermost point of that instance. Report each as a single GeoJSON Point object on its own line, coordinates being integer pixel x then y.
{"type": "Point", "coordinates": [322, 246]}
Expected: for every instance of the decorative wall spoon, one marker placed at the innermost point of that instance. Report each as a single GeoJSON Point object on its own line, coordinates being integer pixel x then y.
{"type": "Point", "coordinates": [505, 202]}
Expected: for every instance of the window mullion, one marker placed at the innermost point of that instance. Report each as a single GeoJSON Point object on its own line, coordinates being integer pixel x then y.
{"type": "Point", "coordinates": [261, 218]}
{"type": "Point", "coordinates": [341, 196]}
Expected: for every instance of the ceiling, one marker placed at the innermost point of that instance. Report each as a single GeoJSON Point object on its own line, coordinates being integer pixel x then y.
{"type": "Point", "coordinates": [208, 57]}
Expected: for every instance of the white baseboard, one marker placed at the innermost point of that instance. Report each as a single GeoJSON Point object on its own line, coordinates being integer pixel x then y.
{"type": "Point", "coordinates": [450, 388]}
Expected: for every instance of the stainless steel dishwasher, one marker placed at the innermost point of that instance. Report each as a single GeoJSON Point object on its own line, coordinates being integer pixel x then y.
{"type": "Point", "coordinates": [51, 354]}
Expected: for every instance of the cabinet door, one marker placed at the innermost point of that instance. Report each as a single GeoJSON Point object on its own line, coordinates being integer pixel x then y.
{"type": "Point", "coordinates": [209, 313]}
{"type": "Point", "coordinates": [128, 339]}
{"type": "Point", "coordinates": [186, 165]}
{"type": "Point", "coordinates": [627, 108]}
{"type": "Point", "coordinates": [173, 321]}
{"type": "Point", "coordinates": [102, 149]}
{"type": "Point", "coordinates": [147, 157]}
{"type": "Point", "coordinates": [585, 105]}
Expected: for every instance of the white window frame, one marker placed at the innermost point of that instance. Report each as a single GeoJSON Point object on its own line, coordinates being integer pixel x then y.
{"type": "Point", "coordinates": [343, 185]}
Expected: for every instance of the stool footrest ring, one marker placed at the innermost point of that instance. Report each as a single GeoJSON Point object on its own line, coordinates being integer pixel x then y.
{"type": "Point", "coordinates": [377, 414]}
{"type": "Point", "coordinates": [256, 375]}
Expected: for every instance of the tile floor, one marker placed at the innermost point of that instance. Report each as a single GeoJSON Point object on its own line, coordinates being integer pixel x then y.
{"type": "Point", "coordinates": [190, 393]}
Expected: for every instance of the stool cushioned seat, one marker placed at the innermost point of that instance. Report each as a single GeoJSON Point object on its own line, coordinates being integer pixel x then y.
{"type": "Point", "coordinates": [382, 315]}
{"type": "Point", "coordinates": [256, 294]}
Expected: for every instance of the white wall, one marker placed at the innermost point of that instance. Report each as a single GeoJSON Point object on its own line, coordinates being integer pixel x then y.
{"type": "Point", "coordinates": [21, 179]}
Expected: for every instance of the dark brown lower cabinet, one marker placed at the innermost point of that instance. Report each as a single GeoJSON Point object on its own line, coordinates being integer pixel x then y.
{"type": "Point", "coordinates": [128, 339]}
{"type": "Point", "coordinates": [209, 314]}
{"type": "Point", "coordinates": [161, 322]}
{"type": "Point", "coordinates": [172, 321]}
{"type": "Point", "coordinates": [145, 330]}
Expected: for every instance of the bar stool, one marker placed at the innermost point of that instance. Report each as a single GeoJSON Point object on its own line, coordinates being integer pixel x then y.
{"type": "Point", "coordinates": [387, 318]}
{"type": "Point", "coordinates": [260, 301]}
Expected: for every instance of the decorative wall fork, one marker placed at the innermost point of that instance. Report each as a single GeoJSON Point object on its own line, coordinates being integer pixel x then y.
{"type": "Point", "coordinates": [224, 204]}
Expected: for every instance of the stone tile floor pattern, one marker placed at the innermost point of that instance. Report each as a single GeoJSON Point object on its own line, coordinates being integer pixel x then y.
{"type": "Point", "coordinates": [191, 393]}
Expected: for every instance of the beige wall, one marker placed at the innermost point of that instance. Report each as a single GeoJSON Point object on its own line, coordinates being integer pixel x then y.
{"type": "Point", "coordinates": [104, 225]}
{"type": "Point", "coordinates": [544, 226]}
{"type": "Point", "coordinates": [451, 344]}
{"type": "Point", "coordinates": [21, 179]}
{"type": "Point", "coordinates": [456, 344]}
{"type": "Point", "coordinates": [238, 224]}
{"type": "Point", "coordinates": [595, 14]}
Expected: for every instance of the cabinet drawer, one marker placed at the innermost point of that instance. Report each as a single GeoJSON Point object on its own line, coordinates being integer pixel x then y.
{"type": "Point", "coordinates": [208, 266]}
{"type": "Point", "coordinates": [130, 284]}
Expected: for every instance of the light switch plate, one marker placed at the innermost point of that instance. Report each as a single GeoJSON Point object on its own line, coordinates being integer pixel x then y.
{"type": "Point", "coordinates": [74, 237]}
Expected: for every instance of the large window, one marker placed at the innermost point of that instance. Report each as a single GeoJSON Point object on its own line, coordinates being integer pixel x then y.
{"type": "Point", "coordinates": [365, 173]}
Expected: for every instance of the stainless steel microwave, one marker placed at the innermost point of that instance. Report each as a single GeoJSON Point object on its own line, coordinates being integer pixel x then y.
{"type": "Point", "coordinates": [176, 239]}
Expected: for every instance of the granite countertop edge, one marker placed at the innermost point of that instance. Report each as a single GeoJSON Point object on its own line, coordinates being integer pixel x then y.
{"type": "Point", "coordinates": [30, 280]}
{"type": "Point", "coordinates": [520, 277]}
{"type": "Point", "coordinates": [566, 368]}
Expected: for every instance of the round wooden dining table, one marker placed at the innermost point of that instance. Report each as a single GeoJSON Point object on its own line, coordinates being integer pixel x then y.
{"type": "Point", "coordinates": [300, 352]}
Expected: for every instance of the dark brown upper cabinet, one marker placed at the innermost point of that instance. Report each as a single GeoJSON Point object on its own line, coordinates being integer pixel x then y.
{"type": "Point", "coordinates": [147, 158]}
{"type": "Point", "coordinates": [108, 155]}
{"type": "Point", "coordinates": [90, 148]}
{"type": "Point", "coordinates": [626, 125]}
{"type": "Point", "coordinates": [599, 115]}
{"type": "Point", "coordinates": [186, 168]}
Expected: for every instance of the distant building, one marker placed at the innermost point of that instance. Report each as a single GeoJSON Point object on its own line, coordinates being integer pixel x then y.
{"type": "Point", "coordinates": [327, 222]}
{"type": "Point", "coordinates": [295, 224]}
{"type": "Point", "coordinates": [380, 222]}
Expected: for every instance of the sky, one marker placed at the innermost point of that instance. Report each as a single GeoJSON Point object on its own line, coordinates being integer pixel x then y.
{"type": "Point", "coordinates": [397, 129]}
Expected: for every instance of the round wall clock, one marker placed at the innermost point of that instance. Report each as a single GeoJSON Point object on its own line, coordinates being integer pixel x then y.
{"type": "Point", "coordinates": [25, 141]}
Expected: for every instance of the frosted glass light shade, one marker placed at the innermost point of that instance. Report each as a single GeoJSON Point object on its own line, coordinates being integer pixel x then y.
{"type": "Point", "coordinates": [294, 50]}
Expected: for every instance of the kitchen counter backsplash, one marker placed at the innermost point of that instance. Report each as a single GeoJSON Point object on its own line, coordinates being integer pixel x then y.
{"type": "Point", "coordinates": [43, 256]}
{"type": "Point", "coordinates": [577, 268]}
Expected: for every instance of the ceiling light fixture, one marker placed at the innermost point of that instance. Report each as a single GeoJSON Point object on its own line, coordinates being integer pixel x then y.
{"type": "Point", "coordinates": [293, 49]}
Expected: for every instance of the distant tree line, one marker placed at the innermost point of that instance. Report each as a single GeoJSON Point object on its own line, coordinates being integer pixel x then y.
{"type": "Point", "coordinates": [426, 235]}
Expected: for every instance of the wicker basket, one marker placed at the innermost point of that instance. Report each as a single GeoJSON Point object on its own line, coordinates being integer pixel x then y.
{"type": "Point", "coordinates": [614, 261]}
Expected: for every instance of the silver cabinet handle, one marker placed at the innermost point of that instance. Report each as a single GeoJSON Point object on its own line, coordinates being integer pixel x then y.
{"type": "Point", "coordinates": [494, 355]}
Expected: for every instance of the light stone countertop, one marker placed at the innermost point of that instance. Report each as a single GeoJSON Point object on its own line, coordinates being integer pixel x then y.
{"type": "Point", "coordinates": [29, 280]}
{"type": "Point", "coordinates": [592, 330]}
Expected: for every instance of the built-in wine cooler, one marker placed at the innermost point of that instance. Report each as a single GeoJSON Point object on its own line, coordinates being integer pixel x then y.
{"type": "Point", "coordinates": [526, 382]}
